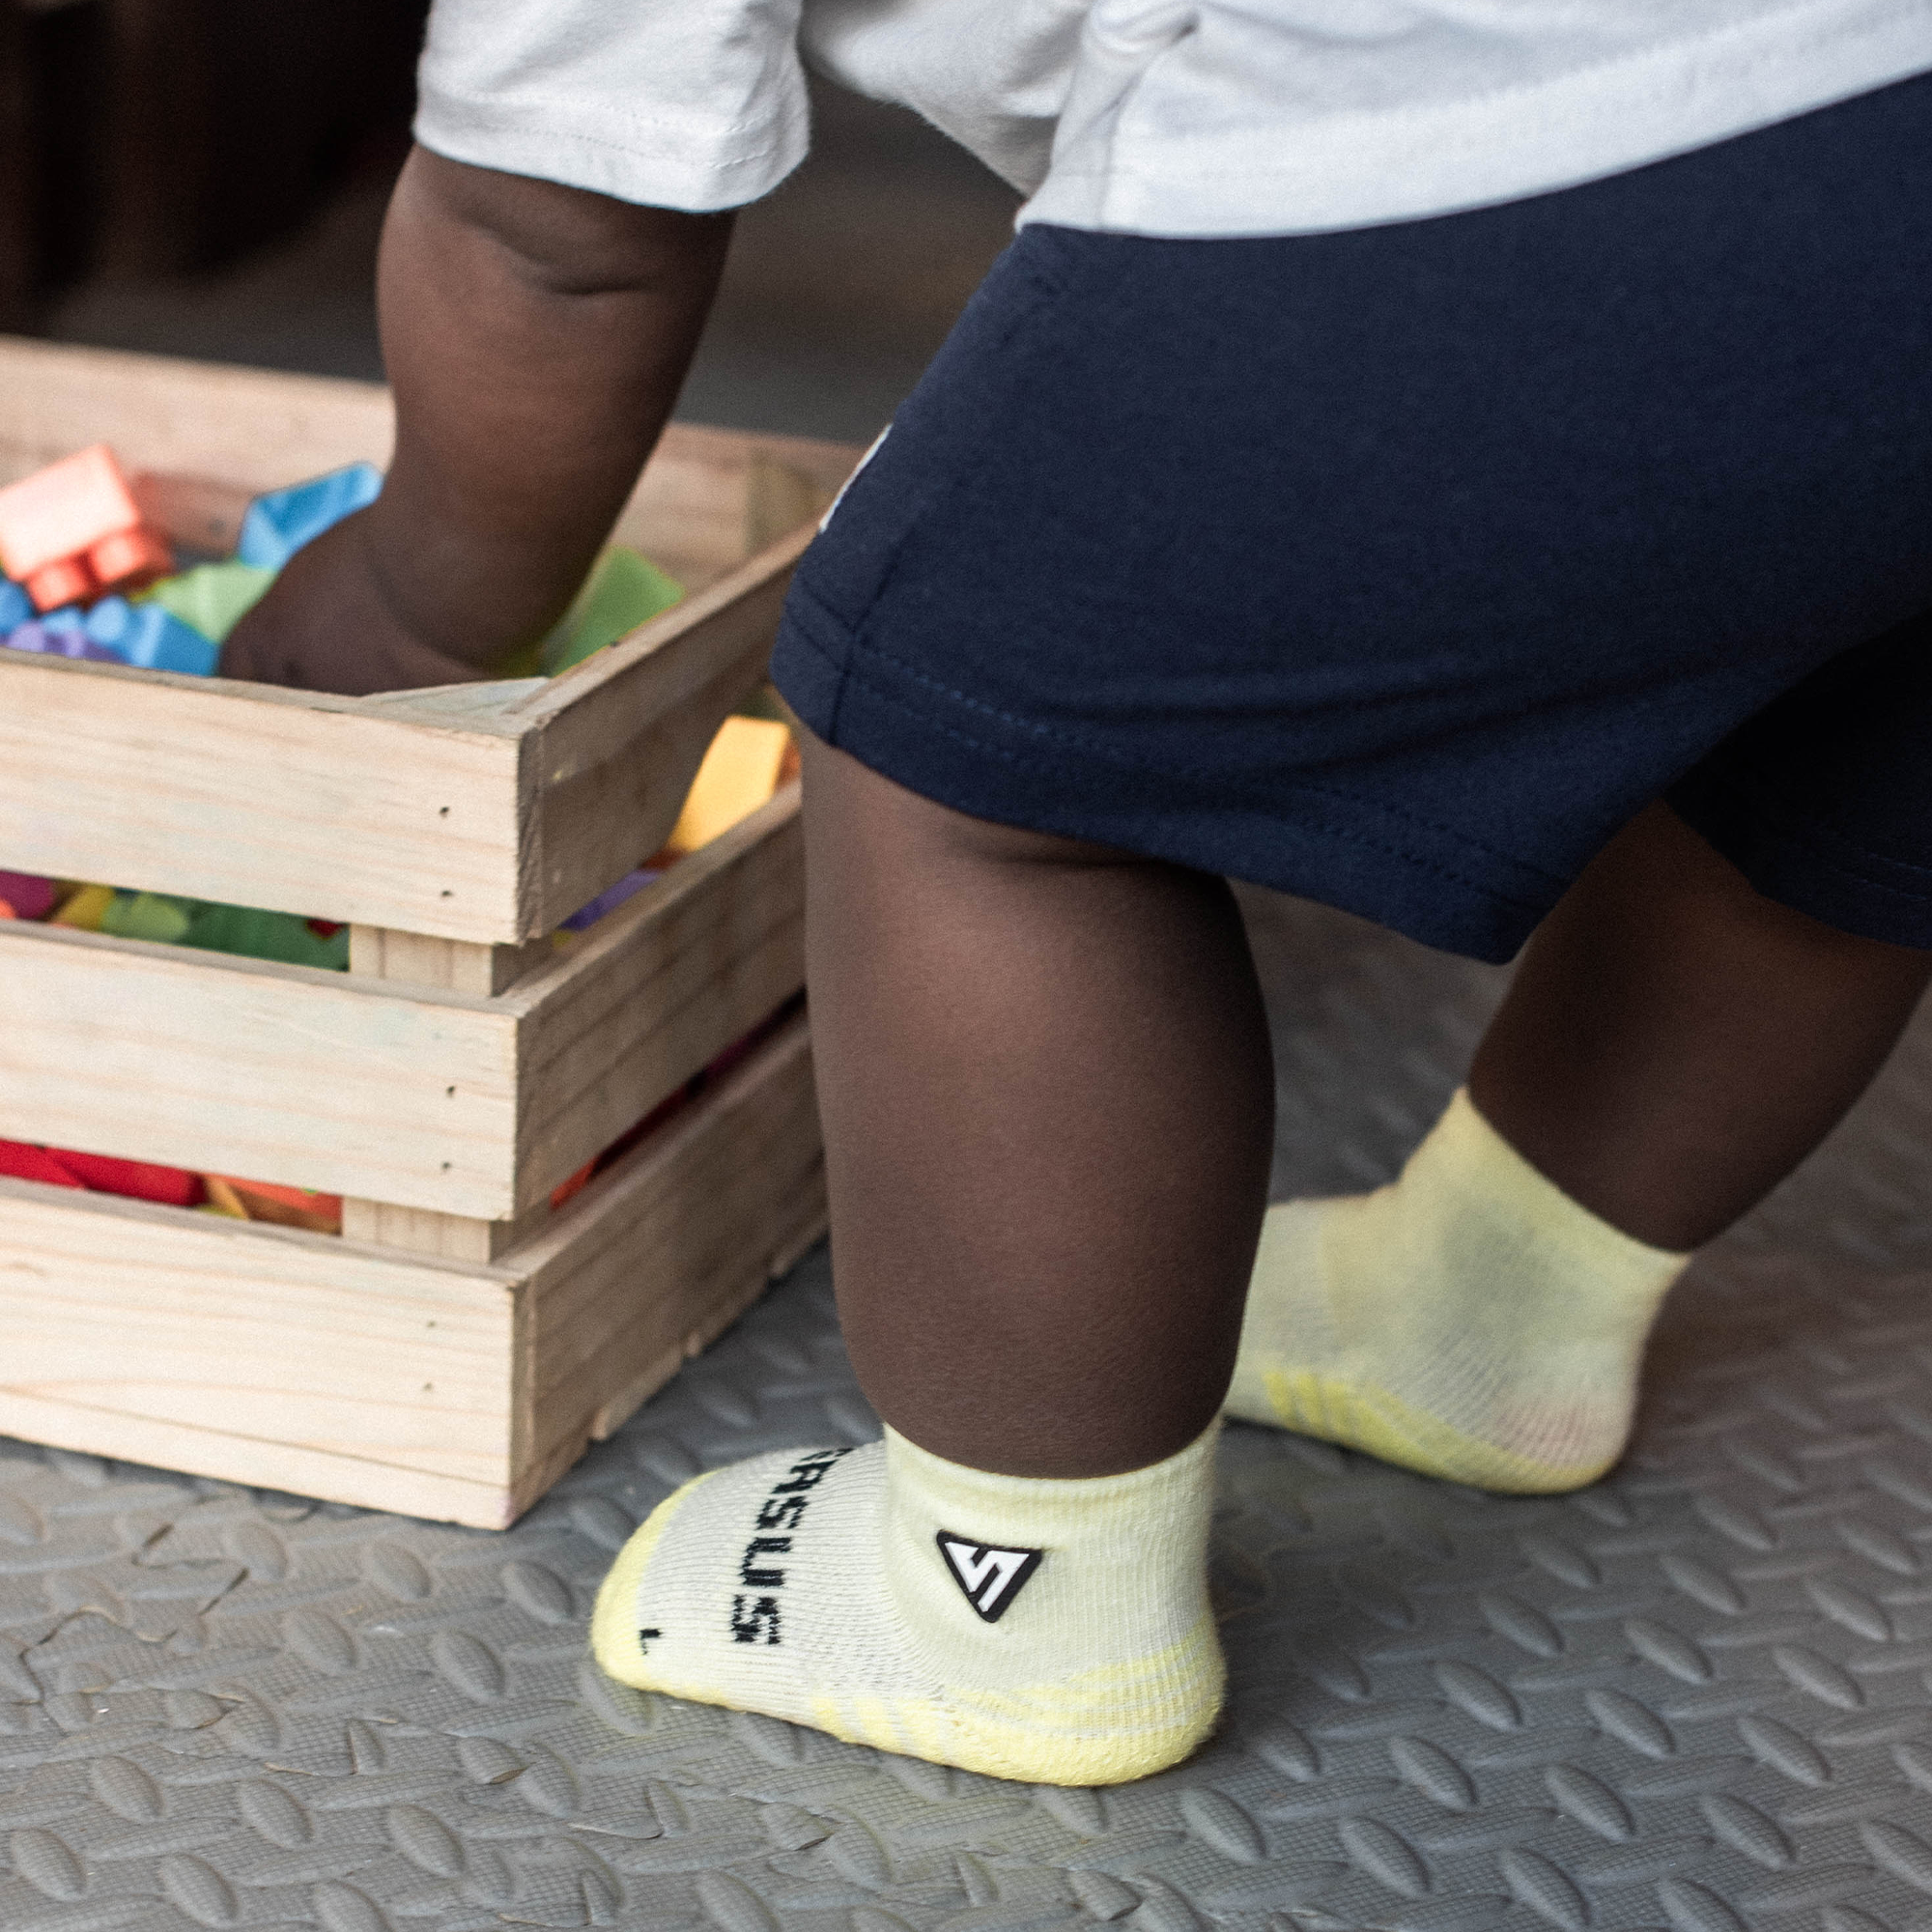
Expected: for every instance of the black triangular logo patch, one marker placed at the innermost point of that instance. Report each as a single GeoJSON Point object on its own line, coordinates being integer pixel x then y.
{"type": "Point", "coordinates": [990, 1576]}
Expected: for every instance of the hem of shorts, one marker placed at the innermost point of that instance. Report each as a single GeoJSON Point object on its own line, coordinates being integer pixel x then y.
{"type": "Point", "coordinates": [1802, 865]}
{"type": "Point", "coordinates": [1345, 857]}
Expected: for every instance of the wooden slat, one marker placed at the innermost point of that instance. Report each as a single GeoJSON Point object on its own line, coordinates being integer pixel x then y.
{"type": "Point", "coordinates": [259, 1355]}
{"type": "Point", "coordinates": [243, 1066]}
{"type": "Point", "coordinates": [267, 1355]}
{"type": "Point", "coordinates": [619, 738]}
{"type": "Point", "coordinates": [401, 1092]}
{"type": "Point", "coordinates": [254, 796]}
{"type": "Point", "coordinates": [479, 815]}
{"type": "Point", "coordinates": [660, 1253]}
{"type": "Point", "coordinates": [656, 991]}
{"type": "Point", "coordinates": [694, 511]}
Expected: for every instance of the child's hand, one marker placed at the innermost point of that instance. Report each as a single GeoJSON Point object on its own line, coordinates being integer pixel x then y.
{"type": "Point", "coordinates": [325, 625]}
{"type": "Point", "coordinates": [536, 336]}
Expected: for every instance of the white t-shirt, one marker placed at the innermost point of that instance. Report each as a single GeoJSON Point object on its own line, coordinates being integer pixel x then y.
{"type": "Point", "coordinates": [1153, 117]}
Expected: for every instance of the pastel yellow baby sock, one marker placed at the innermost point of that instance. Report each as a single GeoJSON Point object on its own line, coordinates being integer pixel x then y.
{"type": "Point", "coordinates": [1056, 1631]}
{"type": "Point", "coordinates": [1469, 1320]}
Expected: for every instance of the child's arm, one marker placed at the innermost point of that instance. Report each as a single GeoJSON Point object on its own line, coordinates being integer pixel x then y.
{"type": "Point", "coordinates": [536, 336]}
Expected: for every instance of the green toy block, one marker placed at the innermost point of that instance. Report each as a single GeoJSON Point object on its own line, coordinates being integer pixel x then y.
{"type": "Point", "coordinates": [212, 598]}
{"type": "Point", "coordinates": [622, 591]}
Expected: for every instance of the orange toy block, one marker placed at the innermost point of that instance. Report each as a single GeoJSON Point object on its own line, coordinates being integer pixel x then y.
{"type": "Point", "coordinates": [73, 528]}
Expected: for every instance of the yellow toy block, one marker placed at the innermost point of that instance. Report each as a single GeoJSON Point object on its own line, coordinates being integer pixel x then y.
{"type": "Point", "coordinates": [740, 772]}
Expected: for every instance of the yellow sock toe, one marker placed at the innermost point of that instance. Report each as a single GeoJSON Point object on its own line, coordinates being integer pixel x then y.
{"type": "Point", "coordinates": [1469, 1321]}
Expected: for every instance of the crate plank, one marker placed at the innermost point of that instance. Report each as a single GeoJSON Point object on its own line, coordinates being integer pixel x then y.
{"type": "Point", "coordinates": [403, 1091]}
{"type": "Point", "coordinates": [268, 1355]}
{"type": "Point", "coordinates": [669, 1247]}
{"type": "Point", "coordinates": [137, 1330]}
{"type": "Point", "coordinates": [656, 991]}
{"type": "Point", "coordinates": [254, 796]}
{"type": "Point", "coordinates": [706, 501]}
{"type": "Point", "coordinates": [244, 1066]}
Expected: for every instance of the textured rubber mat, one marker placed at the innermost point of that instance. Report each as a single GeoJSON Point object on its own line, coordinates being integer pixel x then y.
{"type": "Point", "coordinates": [1695, 1696]}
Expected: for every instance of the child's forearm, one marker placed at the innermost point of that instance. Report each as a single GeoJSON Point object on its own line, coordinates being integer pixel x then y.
{"type": "Point", "coordinates": [537, 337]}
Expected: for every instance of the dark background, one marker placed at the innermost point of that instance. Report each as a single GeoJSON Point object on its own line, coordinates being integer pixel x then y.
{"type": "Point", "coordinates": [207, 178]}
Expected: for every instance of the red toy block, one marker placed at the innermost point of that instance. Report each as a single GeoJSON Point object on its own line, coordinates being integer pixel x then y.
{"type": "Point", "coordinates": [133, 1180]}
{"type": "Point", "coordinates": [72, 530]}
{"type": "Point", "coordinates": [129, 554]}
{"type": "Point", "coordinates": [34, 1163]}
{"type": "Point", "coordinates": [68, 581]}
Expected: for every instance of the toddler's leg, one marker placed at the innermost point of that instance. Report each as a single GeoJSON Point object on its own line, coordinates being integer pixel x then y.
{"type": "Point", "coordinates": [1673, 1045]}
{"type": "Point", "coordinates": [1044, 1077]}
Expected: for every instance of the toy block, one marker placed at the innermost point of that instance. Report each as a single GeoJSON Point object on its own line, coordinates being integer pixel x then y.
{"type": "Point", "coordinates": [74, 527]}
{"type": "Point", "coordinates": [280, 523]}
{"type": "Point", "coordinates": [15, 605]}
{"type": "Point", "coordinates": [152, 637]}
{"type": "Point", "coordinates": [30, 895]}
{"type": "Point", "coordinates": [62, 510]}
{"type": "Point", "coordinates": [58, 640]}
{"type": "Point", "coordinates": [67, 582]}
{"type": "Point", "coordinates": [740, 772]}
{"type": "Point", "coordinates": [128, 557]}
{"type": "Point", "coordinates": [212, 598]}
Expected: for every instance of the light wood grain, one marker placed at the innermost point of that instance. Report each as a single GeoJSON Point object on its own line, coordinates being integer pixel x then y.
{"type": "Point", "coordinates": [401, 1092]}
{"type": "Point", "coordinates": [670, 1245]}
{"type": "Point", "coordinates": [415, 959]}
{"type": "Point", "coordinates": [283, 1074]}
{"type": "Point", "coordinates": [253, 796]}
{"type": "Point", "coordinates": [409, 958]}
{"type": "Point", "coordinates": [693, 510]}
{"type": "Point", "coordinates": [620, 738]}
{"type": "Point", "coordinates": [183, 1325]}
{"type": "Point", "coordinates": [267, 1355]}
{"type": "Point", "coordinates": [656, 991]}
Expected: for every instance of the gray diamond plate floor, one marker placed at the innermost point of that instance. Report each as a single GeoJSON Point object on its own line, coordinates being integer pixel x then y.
{"type": "Point", "coordinates": [1695, 1696]}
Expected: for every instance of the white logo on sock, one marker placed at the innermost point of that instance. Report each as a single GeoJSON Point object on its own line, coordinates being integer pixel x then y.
{"type": "Point", "coordinates": [990, 1576]}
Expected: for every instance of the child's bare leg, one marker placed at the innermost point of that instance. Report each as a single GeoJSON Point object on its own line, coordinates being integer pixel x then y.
{"type": "Point", "coordinates": [1674, 1043]}
{"type": "Point", "coordinates": [1048, 1104]}
{"type": "Point", "coordinates": [1673, 1046]}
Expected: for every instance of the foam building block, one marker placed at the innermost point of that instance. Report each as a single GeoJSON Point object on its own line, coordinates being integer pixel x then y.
{"type": "Point", "coordinates": [85, 908]}
{"type": "Point", "coordinates": [280, 523]}
{"type": "Point", "coordinates": [73, 528]}
{"type": "Point", "coordinates": [21, 1161]}
{"type": "Point", "coordinates": [607, 902]}
{"type": "Point", "coordinates": [268, 1201]}
{"type": "Point", "coordinates": [15, 605]}
{"type": "Point", "coordinates": [60, 634]}
{"type": "Point", "coordinates": [622, 591]}
{"type": "Point", "coordinates": [152, 637]}
{"type": "Point", "coordinates": [30, 895]}
{"type": "Point", "coordinates": [212, 598]}
{"type": "Point", "coordinates": [740, 772]}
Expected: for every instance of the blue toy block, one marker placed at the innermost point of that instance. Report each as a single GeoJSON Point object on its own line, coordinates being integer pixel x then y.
{"type": "Point", "coordinates": [278, 524]}
{"type": "Point", "coordinates": [16, 608]}
{"type": "Point", "coordinates": [148, 636]}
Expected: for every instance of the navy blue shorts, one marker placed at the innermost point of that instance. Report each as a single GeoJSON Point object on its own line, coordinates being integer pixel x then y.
{"type": "Point", "coordinates": [1398, 567]}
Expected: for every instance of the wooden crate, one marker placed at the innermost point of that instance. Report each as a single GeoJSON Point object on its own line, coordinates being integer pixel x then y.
{"type": "Point", "coordinates": [457, 1349]}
